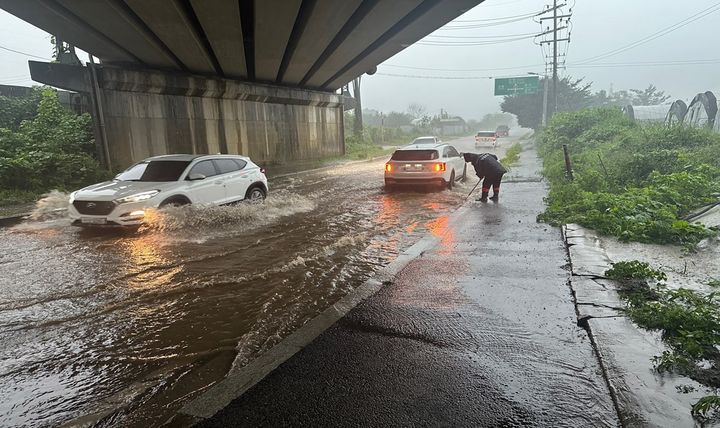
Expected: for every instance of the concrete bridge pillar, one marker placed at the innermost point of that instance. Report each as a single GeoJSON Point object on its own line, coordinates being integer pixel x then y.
{"type": "Point", "coordinates": [146, 113]}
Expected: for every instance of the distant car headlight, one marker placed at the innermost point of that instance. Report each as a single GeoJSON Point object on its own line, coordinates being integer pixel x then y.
{"type": "Point", "coordinates": [138, 197]}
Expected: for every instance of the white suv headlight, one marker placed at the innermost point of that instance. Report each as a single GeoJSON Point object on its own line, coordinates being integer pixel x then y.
{"type": "Point", "coordinates": [71, 199]}
{"type": "Point", "coordinates": [138, 197]}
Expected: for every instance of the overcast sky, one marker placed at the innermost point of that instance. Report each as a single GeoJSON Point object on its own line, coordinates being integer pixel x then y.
{"type": "Point", "coordinates": [598, 27]}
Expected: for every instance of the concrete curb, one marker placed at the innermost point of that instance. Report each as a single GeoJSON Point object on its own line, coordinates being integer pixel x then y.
{"type": "Point", "coordinates": [241, 380]}
{"type": "Point", "coordinates": [569, 234]}
{"type": "Point", "coordinates": [624, 350]}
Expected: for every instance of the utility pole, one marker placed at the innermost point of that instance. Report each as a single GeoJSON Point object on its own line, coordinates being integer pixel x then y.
{"type": "Point", "coordinates": [545, 101]}
{"type": "Point", "coordinates": [382, 128]}
{"type": "Point", "coordinates": [556, 59]}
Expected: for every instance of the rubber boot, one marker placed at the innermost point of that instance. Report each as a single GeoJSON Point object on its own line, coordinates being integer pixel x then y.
{"type": "Point", "coordinates": [495, 197]}
{"type": "Point", "coordinates": [483, 197]}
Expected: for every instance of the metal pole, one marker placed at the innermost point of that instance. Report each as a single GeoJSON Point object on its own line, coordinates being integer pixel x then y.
{"type": "Point", "coordinates": [473, 189]}
{"type": "Point", "coordinates": [545, 101]}
{"type": "Point", "coordinates": [568, 165]}
{"type": "Point", "coordinates": [555, 58]}
{"type": "Point", "coordinates": [382, 128]}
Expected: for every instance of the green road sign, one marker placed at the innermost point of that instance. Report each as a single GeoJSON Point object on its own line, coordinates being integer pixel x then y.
{"type": "Point", "coordinates": [526, 85]}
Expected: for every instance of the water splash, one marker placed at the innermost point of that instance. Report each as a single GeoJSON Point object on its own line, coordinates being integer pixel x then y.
{"type": "Point", "coordinates": [242, 216]}
{"type": "Point", "coordinates": [51, 206]}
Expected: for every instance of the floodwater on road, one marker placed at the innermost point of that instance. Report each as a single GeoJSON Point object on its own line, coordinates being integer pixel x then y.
{"type": "Point", "coordinates": [123, 328]}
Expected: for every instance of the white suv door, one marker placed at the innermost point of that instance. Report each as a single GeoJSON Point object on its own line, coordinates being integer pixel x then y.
{"type": "Point", "coordinates": [211, 189]}
{"type": "Point", "coordinates": [455, 159]}
{"type": "Point", "coordinates": [236, 180]}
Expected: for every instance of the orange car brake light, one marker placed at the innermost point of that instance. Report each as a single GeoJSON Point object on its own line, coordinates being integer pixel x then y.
{"type": "Point", "coordinates": [439, 167]}
{"type": "Point", "coordinates": [388, 167]}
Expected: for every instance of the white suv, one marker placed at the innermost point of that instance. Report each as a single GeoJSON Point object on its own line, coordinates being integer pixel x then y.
{"type": "Point", "coordinates": [168, 180]}
{"type": "Point", "coordinates": [439, 164]}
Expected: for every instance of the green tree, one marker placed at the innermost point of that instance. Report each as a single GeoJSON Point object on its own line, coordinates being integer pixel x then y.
{"type": "Point", "coordinates": [14, 110]}
{"type": "Point", "coordinates": [397, 119]}
{"type": "Point", "coordinates": [649, 96]}
{"type": "Point", "coordinates": [573, 94]}
{"type": "Point", "coordinates": [53, 150]}
{"type": "Point", "coordinates": [492, 120]}
{"type": "Point", "coordinates": [639, 97]}
{"type": "Point", "coordinates": [416, 110]}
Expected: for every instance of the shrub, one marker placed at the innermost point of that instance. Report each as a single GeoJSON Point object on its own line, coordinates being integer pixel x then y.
{"type": "Point", "coordinates": [688, 320]}
{"type": "Point", "coordinates": [631, 181]}
{"type": "Point", "coordinates": [52, 150]}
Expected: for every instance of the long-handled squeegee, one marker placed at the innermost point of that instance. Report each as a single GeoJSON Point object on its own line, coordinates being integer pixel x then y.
{"type": "Point", "coordinates": [473, 189]}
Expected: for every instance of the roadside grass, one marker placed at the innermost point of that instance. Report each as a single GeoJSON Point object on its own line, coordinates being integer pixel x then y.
{"type": "Point", "coordinates": [632, 181]}
{"type": "Point", "coordinates": [12, 197]}
{"type": "Point", "coordinates": [689, 323]}
{"type": "Point", "coordinates": [512, 156]}
{"type": "Point", "coordinates": [359, 150]}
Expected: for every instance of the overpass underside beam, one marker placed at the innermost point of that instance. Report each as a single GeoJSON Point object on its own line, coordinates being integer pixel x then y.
{"type": "Point", "coordinates": [149, 113]}
{"type": "Point", "coordinates": [315, 44]}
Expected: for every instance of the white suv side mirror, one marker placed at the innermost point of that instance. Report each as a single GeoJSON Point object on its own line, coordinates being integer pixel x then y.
{"type": "Point", "coordinates": [196, 176]}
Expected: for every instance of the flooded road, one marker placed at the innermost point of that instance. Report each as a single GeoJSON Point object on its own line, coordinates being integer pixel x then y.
{"type": "Point", "coordinates": [118, 328]}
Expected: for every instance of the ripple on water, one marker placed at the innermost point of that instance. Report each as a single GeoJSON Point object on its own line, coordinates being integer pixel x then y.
{"type": "Point", "coordinates": [193, 282]}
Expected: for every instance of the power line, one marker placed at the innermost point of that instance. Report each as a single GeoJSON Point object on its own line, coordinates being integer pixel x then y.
{"type": "Point", "coordinates": [471, 43]}
{"type": "Point", "coordinates": [475, 26]}
{"type": "Point", "coordinates": [675, 62]}
{"type": "Point", "coordinates": [626, 65]}
{"type": "Point", "coordinates": [460, 70]}
{"type": "Point", "coordinates": [525, 15]}
{"type": "Point", "coordinates": [553, 36]}
{"type": "Point", "coordinates": [667, 30]}
{"type": "Point", "coordinates": [415, 76]}
{"type": "Point", "coordinates": [440, 36]}
{"type": "Point", "coordinates": [574, 65]}
{"type": "Point", "coordinates": [500, 4]}
{"type": "Point", "coordinates": [600, 65]}
{"type": "Point", "coordinates": [22, 53]}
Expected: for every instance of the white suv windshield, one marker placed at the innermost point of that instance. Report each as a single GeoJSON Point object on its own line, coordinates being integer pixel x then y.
{"type": "Point", "coordinates": [161, 170]}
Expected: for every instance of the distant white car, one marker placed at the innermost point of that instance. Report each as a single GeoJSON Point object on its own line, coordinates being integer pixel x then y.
{"type": "Point", "coordinates": [168, 180]}
{"type": "Point", "coordinates": [485, 138]}
{"type": "Point", "coordinates": [427, 140]}
{"type": "Point", "coordinates": [422, 164]}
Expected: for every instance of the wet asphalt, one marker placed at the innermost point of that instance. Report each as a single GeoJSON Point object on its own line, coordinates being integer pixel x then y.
{"type": "Point", "coordinates": [478, 331]}
{"type": "Point", "coordinates": [122, 329]}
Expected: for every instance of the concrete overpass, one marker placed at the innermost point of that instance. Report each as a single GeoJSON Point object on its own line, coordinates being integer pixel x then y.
{"type": "Point", "coordinates": [251, 76]}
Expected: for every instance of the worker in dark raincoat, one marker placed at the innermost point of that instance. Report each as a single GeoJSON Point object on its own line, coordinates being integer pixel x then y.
{"type": "Point", "coordinates": [490, 170]}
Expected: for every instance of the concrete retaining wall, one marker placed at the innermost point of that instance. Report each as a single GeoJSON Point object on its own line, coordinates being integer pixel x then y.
{"type": "Point", "coordinates": [148, 113]}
